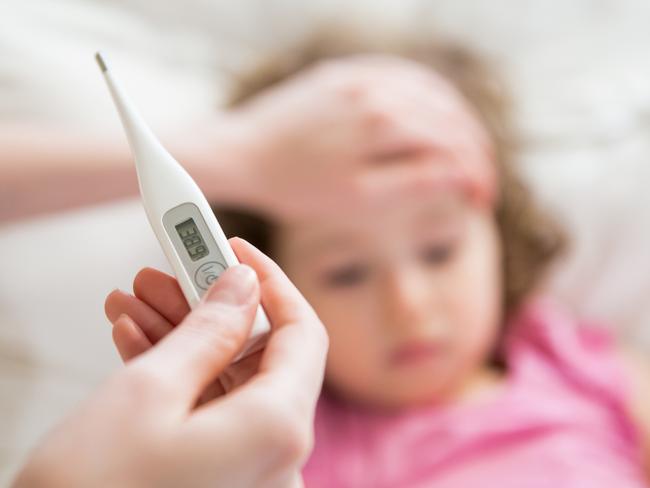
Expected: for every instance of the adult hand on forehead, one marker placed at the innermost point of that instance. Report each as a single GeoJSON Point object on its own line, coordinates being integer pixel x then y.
{"type": "Point", "coordinates": [144, 428]}
{"type": "Point", "coordinates": [364, 129]}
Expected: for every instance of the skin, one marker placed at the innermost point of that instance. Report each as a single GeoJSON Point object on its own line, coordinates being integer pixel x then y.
{"type": "Point", "coordinates": [248, 156]}
{"type": "Point", "coordinates": [636, 368]}
{"type": "Point", "coordinates": [424, 275]}
{"type": "Point", "coordinates": [413, 289]}
{"type": "Point", "coordinates": [431, 264]}
{"type": "Point", "coordinates": [143, 426]}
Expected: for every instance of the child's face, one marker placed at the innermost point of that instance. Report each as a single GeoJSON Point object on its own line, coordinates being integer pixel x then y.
{"type": "Point", "coordinates": [410, 292]}
{"type": "Point", "coordinates": [410, 295]}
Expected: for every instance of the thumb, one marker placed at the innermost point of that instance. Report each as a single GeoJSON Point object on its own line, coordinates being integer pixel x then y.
{"type": "Point", "coordinates": [194, 354]}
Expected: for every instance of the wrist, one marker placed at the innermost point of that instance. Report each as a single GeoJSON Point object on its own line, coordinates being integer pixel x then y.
{"type": "Point", "coordinates": [220, 156]}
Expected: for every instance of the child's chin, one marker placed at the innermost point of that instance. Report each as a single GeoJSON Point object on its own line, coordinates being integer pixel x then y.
{"type": "Point", "coordinates": [427, 391]}
{"type": "Point", "coordinates": [403, 397]}
{"type": "Point", "coordinates": [397, 391]}
{"type": "Point", "coordinates": [423, 398]}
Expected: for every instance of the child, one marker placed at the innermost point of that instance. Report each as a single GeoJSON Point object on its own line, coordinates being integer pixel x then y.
{"type": "Point", "coordinates": [445, 368]}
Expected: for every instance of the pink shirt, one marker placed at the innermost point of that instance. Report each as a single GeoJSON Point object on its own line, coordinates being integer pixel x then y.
{"type": "Point", "coordinates": [559, 421]}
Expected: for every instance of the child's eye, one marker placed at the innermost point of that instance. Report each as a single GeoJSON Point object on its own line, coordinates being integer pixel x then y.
{"type": "Point", "coordinates": [347, 276]}
{"type": "Point", "coordinates": [437, 254]}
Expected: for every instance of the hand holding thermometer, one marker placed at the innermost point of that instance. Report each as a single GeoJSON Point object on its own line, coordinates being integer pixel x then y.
{"type": "Point", "coordinates": [179, 214]}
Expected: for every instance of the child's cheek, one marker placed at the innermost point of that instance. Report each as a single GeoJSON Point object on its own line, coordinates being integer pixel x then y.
{"type": "Point", "coordinates": [475, 305]}
{"type": "Point", "coordinates": [354, 352]}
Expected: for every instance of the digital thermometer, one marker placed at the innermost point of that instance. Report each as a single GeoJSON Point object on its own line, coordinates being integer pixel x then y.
{"type": "Point", "coordinates": [192, 239]}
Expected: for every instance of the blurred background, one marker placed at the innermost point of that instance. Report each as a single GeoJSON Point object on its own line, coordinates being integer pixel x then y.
{"type": "Point", "coordinates": [579, 71]}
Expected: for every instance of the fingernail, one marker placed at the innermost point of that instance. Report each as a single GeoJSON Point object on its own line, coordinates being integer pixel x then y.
{"type": "Point", "coordinates": [234, 287]}
{"type": "Point", "coordinates": [123, 316]}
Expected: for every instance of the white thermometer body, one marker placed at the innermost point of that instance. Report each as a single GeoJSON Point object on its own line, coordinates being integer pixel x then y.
{"type": "Point", "coordinates": [187, 229]}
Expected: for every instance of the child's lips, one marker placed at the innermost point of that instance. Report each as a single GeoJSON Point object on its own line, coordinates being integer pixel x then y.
{"type": "Point", "coordinates": [415, 352]}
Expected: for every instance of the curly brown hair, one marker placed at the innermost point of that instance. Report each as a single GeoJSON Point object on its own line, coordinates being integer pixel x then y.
{"type": "Point", "coordinates": [530, 238]}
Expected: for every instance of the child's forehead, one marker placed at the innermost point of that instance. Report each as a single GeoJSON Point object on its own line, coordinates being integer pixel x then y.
{"type": "Point", "coordinates": [415, 103]}
{"type": "Point", "coordinates": [380, 69]}
{"type": "Point", "coordinates": [365, 226]}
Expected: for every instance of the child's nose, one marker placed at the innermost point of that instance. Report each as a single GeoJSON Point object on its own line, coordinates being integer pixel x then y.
{"type": "Point", "coordinates": [406, 297]}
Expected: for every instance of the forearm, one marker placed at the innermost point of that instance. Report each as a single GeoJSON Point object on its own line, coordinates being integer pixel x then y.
{"type": "Point", "coordinates": [48, 170]}
{"type": "Point", "coordinates": [45, 169]}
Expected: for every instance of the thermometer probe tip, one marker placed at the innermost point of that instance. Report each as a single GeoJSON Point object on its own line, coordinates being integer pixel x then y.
{"type": "Point", "coordinates": [101, 62]}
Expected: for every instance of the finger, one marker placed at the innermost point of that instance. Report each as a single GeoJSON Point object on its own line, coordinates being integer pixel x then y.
{"type": "Point", "coordinates": [197, 351]}
{"type": "Point", "coordinates": [129, 340]}
{"type": "Point", "coordinates": [282, 301]}
{"type": "Point", "coordinates": [162, 293]}
{"type": "Point", "coordinates": [397, 181]}
{"type": "Point", "coordinates": [214, 390]}
{"type": "Point", "coordinates": [154, 325]}
{"type": "Point", "coordinates": [292, 365]}
{"type": "Point", "coordinates": [240, 372]}
{"type": "Point", "coordinates": [233, 376]}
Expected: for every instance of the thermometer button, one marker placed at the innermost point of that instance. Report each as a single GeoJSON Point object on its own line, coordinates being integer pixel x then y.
{"type": "Point", "coordinates": [207, 273]}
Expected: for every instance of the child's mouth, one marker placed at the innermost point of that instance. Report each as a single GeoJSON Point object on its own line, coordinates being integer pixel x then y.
{"type": "Point", "coordinates": [415, 352]}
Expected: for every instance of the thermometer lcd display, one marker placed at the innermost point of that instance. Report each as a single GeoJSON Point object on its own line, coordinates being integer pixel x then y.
{"type": "Point", "coordinates": [192, 239]}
